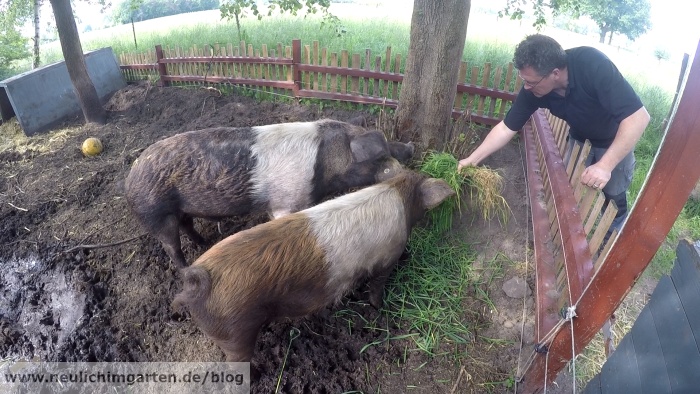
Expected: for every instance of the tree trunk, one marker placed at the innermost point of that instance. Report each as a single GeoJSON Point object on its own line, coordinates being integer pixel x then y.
{"type": "Point", "coordinates": [75, 62]}
{"type": "Point", "coordinates": [602, 36]}
{"type": "Point", "coordinates": [238, 28]}
{"type": "Point", "coordinates": [438, 32]}
{"type": "Point", "coordinates": [37, 30]}
{"type": "Point", "coordinates": [610, 39]}
{"type": "Point", "coordinates": [133, 30]}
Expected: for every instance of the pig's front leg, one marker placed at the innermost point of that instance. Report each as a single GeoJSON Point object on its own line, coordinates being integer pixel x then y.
{"type": "Point", "coordinates": [376, 285]}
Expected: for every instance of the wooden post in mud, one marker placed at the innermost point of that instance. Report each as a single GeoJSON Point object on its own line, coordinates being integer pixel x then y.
{"type": "Point", "coordinates": [673, 175]}
{"type": "Point", "coordinates": [296, 61]}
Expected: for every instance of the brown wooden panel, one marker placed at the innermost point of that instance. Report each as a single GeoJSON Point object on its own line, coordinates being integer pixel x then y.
{"type": "Point", "coordinates": [352, 72]}
{"type": "Point", "coordinates": [602, 228]}
{"type": "Point", "coordinates": [233, 81]}
{"type": "Point", "coordinates": [586, 203]}
{"type": "Point", "coordinates": [344, 62]}
{"type": "Point", "coordinates": [334, 77]}
{"type": "Point", "coordinates": [355, 81]}
{"type": "Point", "coordinates": [496, 84]}
{"type": "Point", "coordinates": [387, 68]}
{"type": "Point", "coordinates": [324, 76]}
{"type": "Point", "coordinates": [485, 75]}
{"type": "Point", "coordinates": [460, 79]}
{"type": "Point", "coordinates": [365, 81]}
{"type": "Point", "coordinates": [397, 70]}
{"type": "Point", "coordinates": [353, 98]}
{"type": "Point", "coordinates": [578, 261]}
{"type": "Point", "coordinates": [546, 316]}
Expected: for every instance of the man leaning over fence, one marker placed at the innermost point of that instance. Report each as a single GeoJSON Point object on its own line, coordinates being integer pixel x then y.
{"type": "Point", "coordinates": [583, 87]}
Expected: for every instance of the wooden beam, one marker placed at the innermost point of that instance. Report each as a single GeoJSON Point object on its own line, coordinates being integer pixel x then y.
{"type": "Point", "coordinates": [577, 256]}
{"type": "Point", "coordinates": [546, 315]}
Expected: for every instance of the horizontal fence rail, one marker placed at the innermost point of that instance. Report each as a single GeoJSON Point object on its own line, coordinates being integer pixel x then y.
{"type": "Point", "coordinates": [569, 222]}
{"type": "Point", "coordinates": [309, 71]}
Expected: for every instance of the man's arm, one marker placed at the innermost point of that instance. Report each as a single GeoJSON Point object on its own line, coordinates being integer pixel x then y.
{"type": "Point", "coordinates": [628, 134]}
{"type": "Point", "coordinates": [497, 138]}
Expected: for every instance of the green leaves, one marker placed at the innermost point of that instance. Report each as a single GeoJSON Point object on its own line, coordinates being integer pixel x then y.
{"type": "Point", "coordinates": [141, 10]}
{"type": "Point", "coordinates": [629, 17]}
{"type": "Point", "coordinates": [236, 9]}
{"type": "Point", "coordinates": [12, 45]}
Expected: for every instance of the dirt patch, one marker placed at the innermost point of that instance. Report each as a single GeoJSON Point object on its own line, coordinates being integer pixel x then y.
{"type": "Point", "coordinates": [113, 304]}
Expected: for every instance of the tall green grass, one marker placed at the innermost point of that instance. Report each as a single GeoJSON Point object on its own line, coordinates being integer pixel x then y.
{"type": "Point", "coordinates": [357, 36]}
{"type": "Point", "coordinates": [658, 103]}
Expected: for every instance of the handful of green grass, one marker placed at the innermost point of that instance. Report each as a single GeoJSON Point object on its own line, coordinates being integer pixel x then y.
{"type": "Point", "coordinates": [484, 184]}
{"type": "Point", "coordinates": [427, 292]}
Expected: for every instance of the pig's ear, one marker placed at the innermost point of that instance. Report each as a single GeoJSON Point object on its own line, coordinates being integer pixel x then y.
{"type": "Point", "coordinates": [369, 146]}
{"type": "Point", "coordinates": [434, 191]}
{"type": "Point", "coordinates": [401, 151]}
{"type": "Point", "coordinates": [358, 120]}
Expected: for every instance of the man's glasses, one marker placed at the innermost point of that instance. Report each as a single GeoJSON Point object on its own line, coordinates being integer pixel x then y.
{"type": "Point", "coordinates": [530, 85]}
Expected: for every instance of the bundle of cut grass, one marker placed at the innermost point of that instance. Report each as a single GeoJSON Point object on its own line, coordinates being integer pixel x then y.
{"type": "Point", "coordinates": [485, 188]}
{"type": "Point", "coordinates": [484, 184]}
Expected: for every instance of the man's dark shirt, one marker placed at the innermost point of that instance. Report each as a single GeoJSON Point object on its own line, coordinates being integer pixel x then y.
{"type": "Point", "coordinates": [597, 99]}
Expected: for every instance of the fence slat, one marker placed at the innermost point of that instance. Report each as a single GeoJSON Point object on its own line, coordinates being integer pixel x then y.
{"type": "Point", "coordinates": [344, 62]}
{"type": "Point", "coordinates": [305, 75]}
{"type": "Point", "coordinates": [460, 79]}
{"type": "Point", "coordinates": [387, 68]}
{"type": "Point", "coordinates": [486, 75]}
{"type": "Point", "coordinates": [375, 81]}
{"type": "Point", "coordinates": [397, 70]}
{"type": "Point", "coordinates": [324, 76]}
{"type": "Point", "coordinates": [355, 86]}
{"type": "Point", "coordinates": [496, 84]}
{"type": "Point", "coordinates": [365, 81]}
{"type": "Point", "coordinates": [314, 60]}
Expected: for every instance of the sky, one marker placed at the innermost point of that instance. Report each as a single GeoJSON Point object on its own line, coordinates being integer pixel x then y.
{"type": "Point", "coordinates": [675, 24]}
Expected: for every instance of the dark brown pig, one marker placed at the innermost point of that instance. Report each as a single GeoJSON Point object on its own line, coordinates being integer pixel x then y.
{"type": "Point", "coordinates": [293, 266]}
{"type": "Point", "coordinates": [222, 172]}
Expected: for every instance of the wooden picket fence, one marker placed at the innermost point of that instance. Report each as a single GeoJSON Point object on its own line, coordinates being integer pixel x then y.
{"type": "Point", "coordinates": [310, 71]}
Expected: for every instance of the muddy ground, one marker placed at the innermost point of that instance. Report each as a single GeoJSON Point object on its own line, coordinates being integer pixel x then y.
{"type": "Point", "coordinates": [62, 303]}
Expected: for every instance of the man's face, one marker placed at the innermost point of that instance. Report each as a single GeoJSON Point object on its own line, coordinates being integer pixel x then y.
{"type": "Point", "coordinates": [538, 84]}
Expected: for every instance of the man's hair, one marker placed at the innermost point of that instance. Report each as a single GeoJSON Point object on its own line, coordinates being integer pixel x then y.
{"type": "Point", "coordinates": [540, 52]}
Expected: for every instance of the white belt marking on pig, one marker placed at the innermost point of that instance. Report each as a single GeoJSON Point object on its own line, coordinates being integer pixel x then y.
{"type": "Point", "coordinates": [286, 155]}
{"type": "Point", "coordinates": [359, 232]}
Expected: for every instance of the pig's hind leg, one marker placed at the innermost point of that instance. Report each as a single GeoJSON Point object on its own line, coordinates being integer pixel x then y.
{"type": "Point", "coordinates": [240, 344]}
{"type": "Point", "coordinates": [187, 226]}
{"type": "Point", "coordinates": [168, 234]}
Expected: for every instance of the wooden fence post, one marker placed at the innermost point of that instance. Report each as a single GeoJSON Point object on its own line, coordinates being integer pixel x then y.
{"type": "Point", "coordinates": [162, 71]}
{"type": "Point", "coordinates": [296, 72]}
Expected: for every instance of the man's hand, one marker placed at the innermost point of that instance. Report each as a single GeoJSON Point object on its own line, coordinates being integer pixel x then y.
{"type": "Point", "coordinates": [497, 138]}
{"type": "Point", "coordinates": [630, 130]}
{"type": "Point", "coordinates": [465, 163]}
{"type": "Point", "coordinates": [596, 176]}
